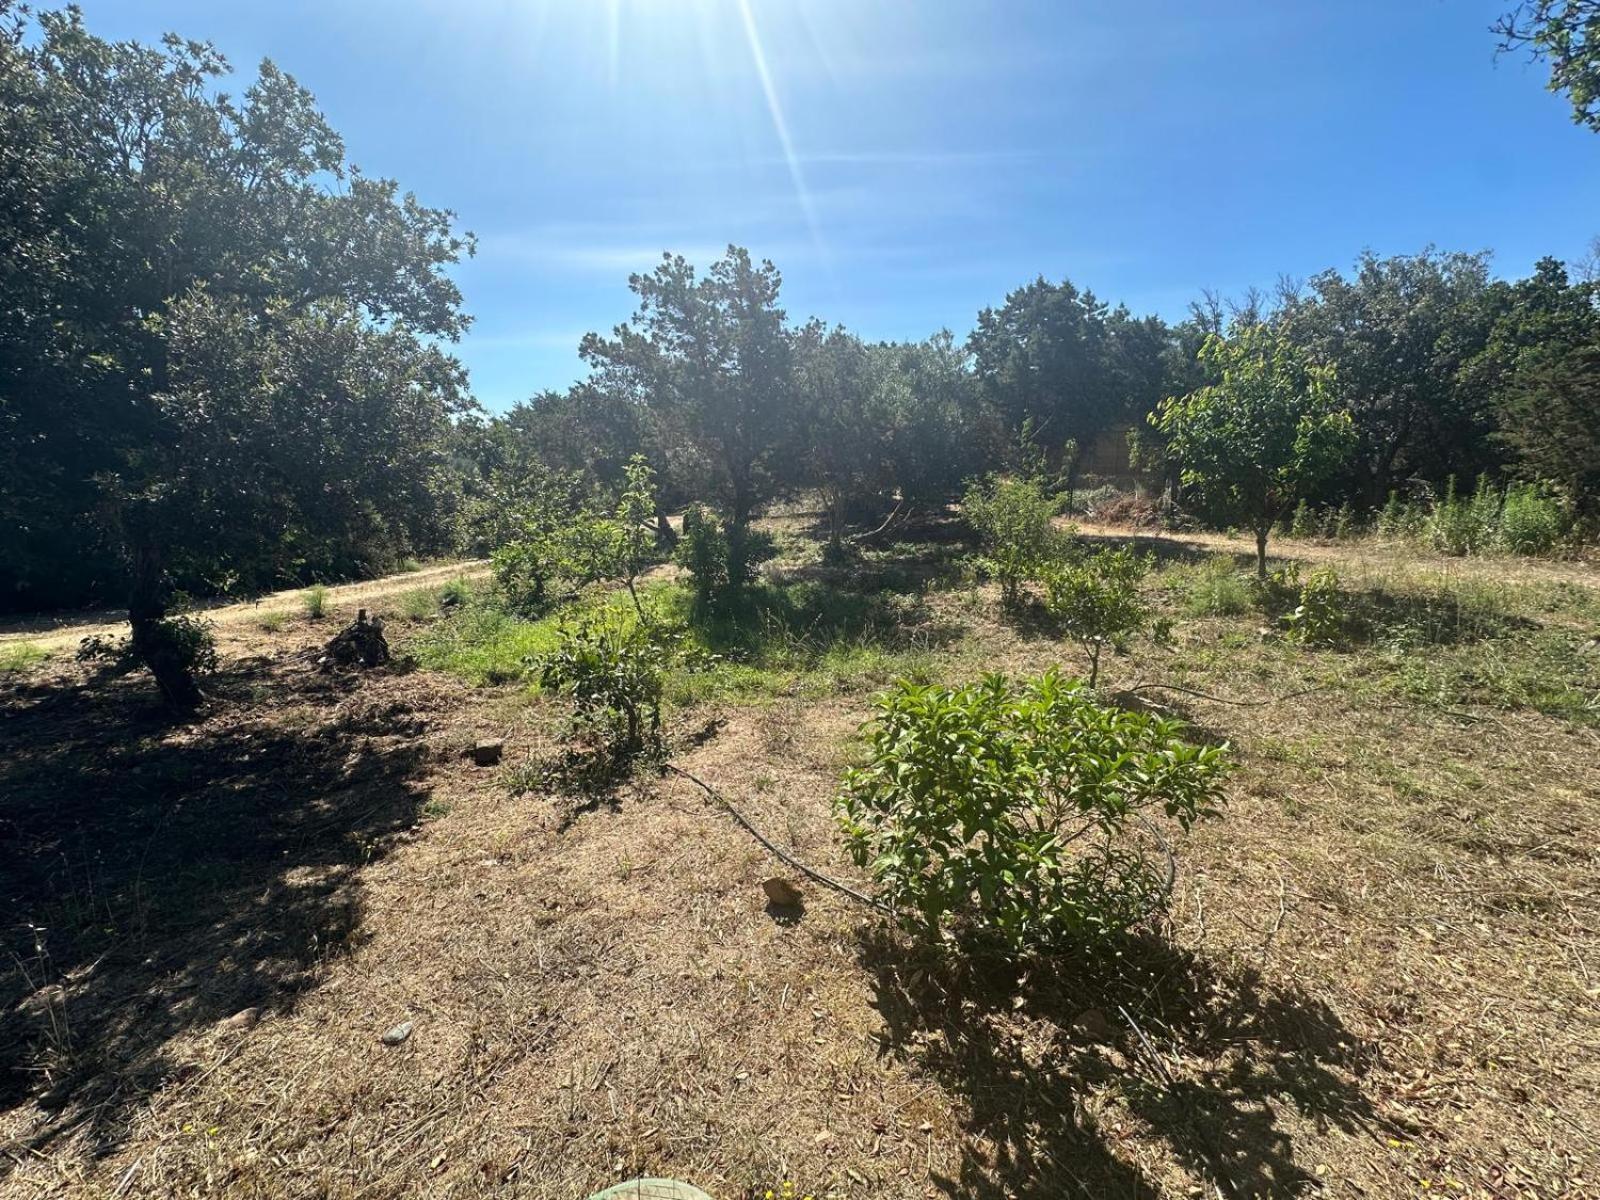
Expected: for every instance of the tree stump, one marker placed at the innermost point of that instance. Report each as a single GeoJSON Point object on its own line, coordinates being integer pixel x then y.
{"type": "Point", "coordinates": [359, 644]}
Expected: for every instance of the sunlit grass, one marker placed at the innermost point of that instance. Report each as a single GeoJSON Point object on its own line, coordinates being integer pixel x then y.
{"type": "Point", "coordinates": [21, 656]}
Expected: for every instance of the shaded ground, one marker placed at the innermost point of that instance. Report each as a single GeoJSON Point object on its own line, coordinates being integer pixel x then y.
{"type": "Point", "coordinates": [1377, 979]}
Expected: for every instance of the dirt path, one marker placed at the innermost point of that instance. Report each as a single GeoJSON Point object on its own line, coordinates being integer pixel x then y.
{"type": "Point", "coordinates": [1368, 553]}
{"type": "Point", "coordinates": [58, 632]}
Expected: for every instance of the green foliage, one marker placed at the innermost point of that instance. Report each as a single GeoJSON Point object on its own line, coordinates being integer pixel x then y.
{"type": "Point", "coordinates": [721, 560]}
{"type": "Point", "coordinates": [223, 344]}
{"type": "Point", "coordinates": [1550, 415]}
{"type": "Point", "coordinates": [1096, 598]}
{"type": "Point", "coordinates": [1014, 518]}
{"type": "Point", "coordinates": [615, 669]}
{"type": "Point", "coordinates": [1524, 519]}
{"type": "Point", "coordinates": [1319, 618]}
{"type": "Point", "coordinates": [1265, 432]}
{"type": "Point", "coordinates": [1399, 333]}
{"type": "Point", "coordinates": [185, 641]}
{"type": "Point", "coordinates": [1005, 809]}
{"type": "Point", "coordinates": [1566, 35]}
{"type": "Point", "coordinates": [419, 604]}
{"type": "Point", "coordinates": [17, 657]}
{"type": "Point", "coordinates": [715, 356]}
{"type": "Point", "coordinates": [272, 621]}
{"type": "Point", "coordinates": [1213, 588]}
{"type": "Point", "coordinates": [1302, 524]}
{"type": "Point", "coordinates": [315, 601]}
{"type": "Point", "coordinates": [555, 532]}
{"type": "Point", "coordinates": [1531, 520]}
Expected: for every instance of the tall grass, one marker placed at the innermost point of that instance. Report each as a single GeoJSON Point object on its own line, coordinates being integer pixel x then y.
{"type": "Point", "coordinates": [1522, 518]}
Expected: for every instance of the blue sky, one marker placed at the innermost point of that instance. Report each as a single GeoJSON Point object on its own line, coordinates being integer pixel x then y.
{"type": "Point", "coordinates": [906, 162]}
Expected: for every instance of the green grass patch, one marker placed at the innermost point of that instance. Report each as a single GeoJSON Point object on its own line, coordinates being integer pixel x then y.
{"type": "Point", "coordinates": [795, 639]}
{"type": "Point", "coordinates": [21, 656]}
{"type": "Point", "coordinates": [1213, 588]}
{"type": "Point", "coordinates": [1552, 671]}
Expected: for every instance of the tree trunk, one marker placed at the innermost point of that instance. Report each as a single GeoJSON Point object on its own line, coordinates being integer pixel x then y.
{"type": "Point", "coordinates": [1261, 551]}
{"type": "Point", "coordinates": [147, 607]}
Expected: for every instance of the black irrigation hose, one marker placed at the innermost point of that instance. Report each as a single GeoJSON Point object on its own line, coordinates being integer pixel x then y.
{"type": "Point", "coordinates": [1173, 687]}
{"type": "Point", "coordinates": [825, 880]}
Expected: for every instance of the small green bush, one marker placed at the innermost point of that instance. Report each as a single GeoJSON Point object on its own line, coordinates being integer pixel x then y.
{"type": "Point", "coordinates": [1215, 589]}
{"type": "Point", "coordinates": [188, 641]}
{"type": "Point", "coordinates": [1464, 524]}
{"type": "Point", "coordinates": [419, 604]}
{"type": "Point", "coordinates": [272, 621]}
{"type": "Point", "coordinates": [1096, 599]}
{"type": "Point", "coordinates": [1303, 523]}
{"type": "Point", "coordinates": [1531, 521]}
{"type": "Point", "coordinates": [1013, 518]}
{"type": "Point", "coordinates": [1319, 618]}
{"type": "Point", "coordinates": [722, 560]}
{"type": "Point", "coordinates": [315, 601]}
{"type": "Point", "coordinates": [1005, 810]}
{"type": "Point", "coordinates": [615, 667]}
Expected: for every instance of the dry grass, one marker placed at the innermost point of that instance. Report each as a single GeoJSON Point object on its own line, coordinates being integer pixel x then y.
{"type": "Point", "coordinates": [1379, 977]}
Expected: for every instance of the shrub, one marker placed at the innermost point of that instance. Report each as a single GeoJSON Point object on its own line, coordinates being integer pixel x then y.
{"type": "Point", "coordinates": [315, 601]}
{"type": "Point", "coordinates": [1013, 518]}
{"type": "Point", "coordinates": [1096, 598]}
{"type": "Point", "coordinates": [721, 559]}
{"type": "Point", "coordinates": [615, 666]}
{"type": "Point", "coordinates": [1005, 809]}
{"type": "Point", "coordinates": [187, 642]}
{"type": "Point", "coordinates": [1303, 524]}
{"type": "Point", "coordinates": [1465, 525]}
{"type": "Point", "coordinates": [1216, 589]}
{"type": "Point", "coordinates": [455, 593]}
{"type": "Point", "coordinates": [419, 604]}
{"type": "Point", "coordinates": [1319, 617]}
{"type": "Point", "coordinates": [1531, 520]}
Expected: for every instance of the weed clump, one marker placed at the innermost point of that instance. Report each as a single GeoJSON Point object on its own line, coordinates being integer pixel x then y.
{"type": "Point", "coordinates": [315, 601]}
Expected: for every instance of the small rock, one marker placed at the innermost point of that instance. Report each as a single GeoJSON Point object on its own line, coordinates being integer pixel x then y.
{"type": "Point", "coordinates": [781, 893]}
{"type": "Point", "coordinates": [1092, 1024]}
{"type": "Point", "coordinates": [397, 1035]}
{"type": "Point", "coordinates": [487, 752]}
{"type": "Point", "coordinates": [245, 1018]}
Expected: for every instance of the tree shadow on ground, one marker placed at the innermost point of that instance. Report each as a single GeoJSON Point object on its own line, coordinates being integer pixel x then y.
{"type": "Point", "coordinates": [1207, 1060]}
{"type": "Point", "coordinates": [802, 620]}
{"type": "Point", "coordinates": [160, 878]}
{"type": "Point", "coordinates": [1166, 548]}
{"type": "Point", "coordinates": [1425, 619]}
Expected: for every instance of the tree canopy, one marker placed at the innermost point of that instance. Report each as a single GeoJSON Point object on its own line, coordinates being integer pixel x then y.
{"type": "Point", "coordinates": [1260, 437]}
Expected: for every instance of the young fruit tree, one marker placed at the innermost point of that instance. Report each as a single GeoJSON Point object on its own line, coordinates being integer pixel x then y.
{"type": "Point", "coordinates": [1016, 813]}
{"type": "Point", "coordinates": [1254, 442]}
